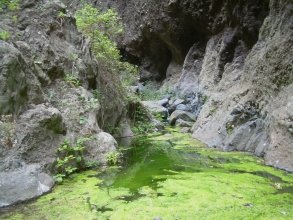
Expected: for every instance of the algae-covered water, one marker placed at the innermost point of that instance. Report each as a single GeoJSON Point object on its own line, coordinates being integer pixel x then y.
{"type": "Point", "coordinates": [169, 177]}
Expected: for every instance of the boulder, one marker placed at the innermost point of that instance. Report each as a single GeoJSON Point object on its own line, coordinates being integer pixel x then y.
{"type": "Point", "coordinates": [182, 107]}
{"type": "Point", "coordinates": [184, 130]}
{"type": "Point", "coordinates": [97, 149]}
{"type": "Point", "coordinates": [182, 123]}
{"type": "Point", "coordinates": [178, 114]}
{"type": "Point", "coordinates": [23, 184]}
{"type": "Point", "coordinates": [156, 107]}
{"type": "Point", "coordinates": [163, 102]}
{"type": "Point", "coordinates": [175, 104]}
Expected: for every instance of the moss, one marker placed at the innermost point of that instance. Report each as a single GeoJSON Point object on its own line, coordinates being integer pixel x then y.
{"type": "Point", "coordinates": [177, 178]}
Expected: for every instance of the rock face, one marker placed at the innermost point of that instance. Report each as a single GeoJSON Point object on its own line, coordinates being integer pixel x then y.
{"type": "Point", "coordinates": [233, 60]}
{"type": "Point", "coordinates": [52, 89]}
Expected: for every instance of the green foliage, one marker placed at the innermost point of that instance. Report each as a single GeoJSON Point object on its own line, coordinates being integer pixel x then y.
{"type": "Point", "coordinates": [157, 115]}
{"type": "Point", "coordinates": [129, 76]}
{"type": "Point", "coordinates": [151, 91]}
{"type": "Point", "coordinates": [13, 5]}
{"type": "Point", "coordinates": [4, 35]}
{"type": "Point", "coordinates": [14, 18]}
{"type": "Point", "coordinates": [113, 157]}
{"type": "Point", "coordinates": [38, 62]}
{"type": "Point", "coordinates": [98, 94]}
{"type": "Point", "coordinates": [62, 14]}
{"type": "Point", "coordinates": [73, 56]}
{"type": "Point", "coordinates": [102, 27]}
{"type": "Point", "coordinates": [92, 163]}
{"type": "Point", "coordinates": [141, 124]}
{"type": "Point", "coordinates": [204, 99]}
{"type": "Point", "coordinates": [67, 154]}
{"type": "Point", "coordinates": [72, 80]}
{"type": "Point", "coordinates": [82, 120]}
{"type": "Point", "coordinates": [229, 127]}
{"type": "Point", "coordinates": [59, 177]}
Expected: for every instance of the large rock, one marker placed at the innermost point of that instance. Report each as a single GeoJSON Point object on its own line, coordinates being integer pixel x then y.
{"type": "Point", "coordinates": [23, 184]}
{"type": "Point", "coordinates": [163, 102]}
{"type": "Point", "coordinates": [97, 148]}
{"type": "Point", "coordinates": [156, 107]}
{"type": "Point", "coordinates": [186, 116]}
{"type": "Point", "coordinates": [181, 123]}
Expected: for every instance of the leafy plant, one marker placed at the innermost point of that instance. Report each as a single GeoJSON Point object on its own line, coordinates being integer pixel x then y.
{"type": "Point", "coordinates": [98, 94]}
{"type": "Point", "coordinates": [14, 18]}
{"type": "Point", "coordinates": [229, 127]}
{"type": "Point", "coordinates": [73, 56]}
{"type": "Point", "coordinates": [59, 177]}
{"type": "Point", "coordinates": [82, 120]}
{"type": "Point", "coordinates": [141, 124]}
{"type": "Point", "coordinates": [102, 27]}
{"type": "Point", "coordinates": [92, 163]}
{"type": "Point", "coordinates": [67, 153]}
{"type": "Point", "coordinates": [72, 80]}
{"type": "Point", "coordinates": [13, 5]}
{"type": "Point", "coordinates": [92, 103]}
{"type": "Point", "coordinates": [113, 157]}
{"type": "Point", "coordinates": [4, 35]}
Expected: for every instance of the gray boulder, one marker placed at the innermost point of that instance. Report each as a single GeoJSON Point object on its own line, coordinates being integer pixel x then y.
{"type": "Point", "coordinates": [163, 102]}
{"type": "Point", "coordinates": [175, 104]}
{"type": "Point", "coordinates": [178, 114]}
{"type": "Point", "coordinates": [96, 149]}
{"type": "Point", "coordinates": [182, 107]}
{"type": "Point", "coordinates": [23, 184]}
{"type": "Point", "coordinates": [181, 123]}
{"type": "Point", "coordinates": [156, 107]}
{"type": "Point", "coordinates": [184, 130]}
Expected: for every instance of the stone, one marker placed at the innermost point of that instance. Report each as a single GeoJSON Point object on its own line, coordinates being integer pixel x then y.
{"type": "Point", "coordinates": [181, 123]}
{"type": "Point", "coordinates": [156, 107]}
{"type": "Point", "coordinates": [25, 183]}
{"type": "Point", "coordinates": [163, 102]}
{"type": "Point", "coordinates": [178, 114]}
{"type": "Point", "coordinates": [185, 130]}
{"type": "Point", "coordinates": [182, 107]}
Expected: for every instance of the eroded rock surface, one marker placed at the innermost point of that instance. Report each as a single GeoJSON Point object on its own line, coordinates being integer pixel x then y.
{"type": "Point", "coordinates": [222, 56]}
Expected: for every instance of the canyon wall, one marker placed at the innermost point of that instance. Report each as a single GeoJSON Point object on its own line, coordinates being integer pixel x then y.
{"type": "Point", "coordinates": [234, 56]}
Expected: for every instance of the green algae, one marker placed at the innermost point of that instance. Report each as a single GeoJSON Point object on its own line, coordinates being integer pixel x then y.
{"type": "Point", "coordinates": [172, 177]}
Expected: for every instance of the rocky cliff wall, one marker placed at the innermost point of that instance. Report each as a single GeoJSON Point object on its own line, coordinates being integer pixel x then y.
{"type": "Point", "coordinates": [51, 88]}
{"type": "Point", "coordinates": [235, 56]}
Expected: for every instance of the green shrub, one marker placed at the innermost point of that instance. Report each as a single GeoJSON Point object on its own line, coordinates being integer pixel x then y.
{"type": "Point", "coordinates": [13, 5]}
{"type": "Point", "coordinates": [101, 27]}
{"type": "Point", "coordinates": [113, 157]}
